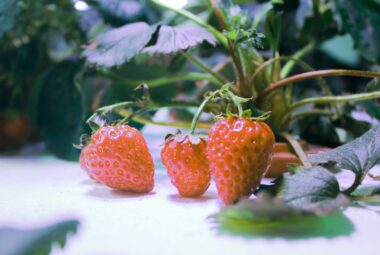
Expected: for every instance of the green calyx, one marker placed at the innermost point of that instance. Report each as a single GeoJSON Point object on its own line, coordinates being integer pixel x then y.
{"type": "Point", "coordinates": [237, 101]}
{"type": "Point", "coordinates": [179, 137]}
{"type": "Point", "coordinates": [83, 141]}
{"type": "Point", "coordinates": [99, 118]}
{"type": "Point", "coordinates": [225, 93]}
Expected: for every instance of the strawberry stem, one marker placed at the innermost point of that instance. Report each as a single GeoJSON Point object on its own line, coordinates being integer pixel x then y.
{"type": "Point", "coordinates": [126, 119]}
{"type": "Point", "coordinates": [199, 112]}
{"type": "Point", "coordinates": [96, 120]}
{"type": "Point", "coordinates": [236, 102]}
{"type": "Point", "coordinates": [297, 56]}
{"type": "Point", "coordinates": [145, 121]}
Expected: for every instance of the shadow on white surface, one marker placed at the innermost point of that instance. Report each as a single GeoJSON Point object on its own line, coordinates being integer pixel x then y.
{"type": "Point", "coordinates": [88, 182]}
{"type": "Point", "coordinates": [188, 200]}
{"type": "Point", "coordinates": [103, 192]}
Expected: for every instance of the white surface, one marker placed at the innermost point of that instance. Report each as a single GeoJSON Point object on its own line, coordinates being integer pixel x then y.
{"type": "Point", "coordinates": [39, 190]}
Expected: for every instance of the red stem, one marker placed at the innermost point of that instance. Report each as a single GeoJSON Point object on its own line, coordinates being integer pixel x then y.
{"type": "Point", "coordinates": [315, 74]}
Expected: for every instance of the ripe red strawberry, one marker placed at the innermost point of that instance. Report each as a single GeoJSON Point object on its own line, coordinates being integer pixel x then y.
{"type": "Point", "coordinates": [239, 151]}
{"type": "Point", "coordinates": [118, 157]}
{"type": "Point", "coordinates": [186, 163]}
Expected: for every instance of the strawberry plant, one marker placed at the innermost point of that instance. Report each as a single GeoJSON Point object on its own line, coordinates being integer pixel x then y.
{"type": "Point", "coordinates": [255, 45]}
{"type": "Point", "coordinates": [256, 75]}
{"type": "Point", "coordinates": [256, 58]}
{"type": "Point", "coordinates": [253, 84]}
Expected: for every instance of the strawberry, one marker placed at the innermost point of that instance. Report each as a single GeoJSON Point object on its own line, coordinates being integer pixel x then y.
{"type": "Point", "coordinates": [184, 157]}
{"type": "Point", "coordinates": [239, 151]}
{"type": "Point", "coordinates": [118, 157]}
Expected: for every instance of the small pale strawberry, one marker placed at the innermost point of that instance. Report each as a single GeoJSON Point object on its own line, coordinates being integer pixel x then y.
{"type": "Point", "coordinates": [184, 157]}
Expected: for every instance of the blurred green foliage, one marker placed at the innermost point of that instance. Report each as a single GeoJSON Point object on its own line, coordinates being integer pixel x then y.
{"type": "Point", "coordinates": [38, 241]}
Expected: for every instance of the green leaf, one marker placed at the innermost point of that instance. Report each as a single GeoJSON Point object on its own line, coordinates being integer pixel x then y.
{"type": "Point", "coordinates": [265, 207]}
{"type": "Point", "coordinates": [308, 191]}
{"type": "Point", "coordinates": [35, 241]}
{"type": "Point", "coordinates": [348, 128]}
{"type": "Point", "coordinates": [373, 85]}
{"type": "Point", "coordinates": [358, 156]}
{"type": "Point", "coordinates": [117, 46]}
{"type": "Point", "coordinates": [372, 107]}
{"type": "Point", "coordinates": [290, 206]}
{"type": "Point", "coordinates": [120, 45]}
{"type": "Point", "coordinates": [291, 227]}
{"type": "Point", "coordinates": [272, 29]}
{"type": "Point", "coordinates": [57, 110]}
{"type": "Point", "coordinates": [9, 10]}
{"type": "Point", "coordinates": [250, 37]}
{"type": "Point", "coordinates": [276, 104]}
{"type": "Point", "coordinates": [341, 49]}
{"type": "Point", "coordinates": [312, 189]}
{"type": "Point", "coordinates": [271, 216]}
{"type": "Point", "coordinates": [174, 39]}
{"type": "Point", "coordinates": [361, 20]}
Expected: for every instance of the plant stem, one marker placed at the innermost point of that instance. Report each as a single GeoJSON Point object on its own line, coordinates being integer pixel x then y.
{"type": "Point", "coordinates": [133, 114]}
{"type": "Point", "coordinates": [304, 66]}
{"type": "Point", "coordinates": [263, 65]}
{"type": "Point", "coordinates": [314, 74]}
{"type": "Point", "coordinates": [288, 95]}
{"type": "Point", "coordinates": [297, 149]}
{"type": "Point", "coordinates": [218, 14]}
{"type": "Point", "coordinates": [164, 80]}
{"type": "Point", "coordinates": [236, 102]}
{"type": "Point", "coordinates": [204, 67]}
{"type": "Point", "coordinates": [311, 112]}
{"type": "Point", "coordinates": [303, 114]}
{"type": "Point", "coordinates": [302, 63]}
{"type": "Point", "coordinates": [146, 121]}
{"type": "Point", "coordinates": [150, 105]}
{"type": "Point", "coordinates": [219, 36]}
{"type": "Point", "coordinates": [243, 87]}
{"type": "Point", "coordinates": [335, 99]}
{"type": "Point", "coordinates": [198, 113]}
{"type": "Point", "coordinates": [263, 11]}
{"type": "Point", "coordinates": [352, 188]}
{"type": "Point", "coordinates": [103, 109]}
{"type": "Point", "coordinates": [288, 67]}
{"type": "Point", "coordinates": [275, 69]}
